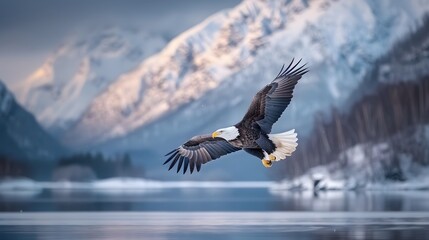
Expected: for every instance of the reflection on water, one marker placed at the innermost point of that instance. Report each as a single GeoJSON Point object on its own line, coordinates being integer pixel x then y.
{"type": "Point", "coordinates": [211, 199]}
{"type": "Point", "coordinates": [245, 233]}
{"type": "Point", "coordinates": [215, 225]}
{"type": "Point", "coordinates": [213, 213]}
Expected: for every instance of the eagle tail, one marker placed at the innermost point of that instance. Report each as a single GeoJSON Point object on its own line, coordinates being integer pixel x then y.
{"type": "Point", "coordinates": [285, 143]}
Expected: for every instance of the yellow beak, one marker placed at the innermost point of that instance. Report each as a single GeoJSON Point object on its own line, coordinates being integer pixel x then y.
{"type": "Point", "coordinates": [215, 134]}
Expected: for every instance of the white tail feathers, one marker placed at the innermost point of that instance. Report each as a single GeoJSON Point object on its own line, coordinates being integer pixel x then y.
{"type": "Point", "coordinates": [285, 142]}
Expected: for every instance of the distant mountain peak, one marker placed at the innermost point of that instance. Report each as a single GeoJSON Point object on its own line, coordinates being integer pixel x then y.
{"type": "Point", "coordinates": [60, 90]}
{"type": "Point", "coordinates": [6, 99]}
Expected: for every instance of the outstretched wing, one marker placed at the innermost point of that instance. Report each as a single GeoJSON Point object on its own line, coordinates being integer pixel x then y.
{"type": "Point", "coordinates": [270, 102]}
{"type": "Point", "coordinates": [198, 150]}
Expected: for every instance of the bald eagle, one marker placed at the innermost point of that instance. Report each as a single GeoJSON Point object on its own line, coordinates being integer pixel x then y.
{"type": "Point", "coordinates": [253, 133]}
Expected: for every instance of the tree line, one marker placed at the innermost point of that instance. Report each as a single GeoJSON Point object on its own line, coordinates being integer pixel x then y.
{"type": "Point", "coordinates": [102, 166]}
{"type": "Point", "coordinates": [391, 110]}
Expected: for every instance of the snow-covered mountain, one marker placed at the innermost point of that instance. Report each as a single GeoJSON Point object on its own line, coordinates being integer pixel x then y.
{"type": "Point", "coordinates": [21, 136]}
{"type": "Point", "coordinates": [206, 77]}
{"type": "Point", "coordinates": [59, 92]}
{"type": "Point", "coordinates": [382, 137]}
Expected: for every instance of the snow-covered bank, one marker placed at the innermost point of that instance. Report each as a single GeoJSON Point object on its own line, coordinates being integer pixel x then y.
{"type": "Point", "coordinates": [303, 183]}
{"type": "Point", "coordinates": [369, 166]}
{"type": "Point", "coordinates": [330, 183]}
{"type": "Point", "coordinates": [123, 184]}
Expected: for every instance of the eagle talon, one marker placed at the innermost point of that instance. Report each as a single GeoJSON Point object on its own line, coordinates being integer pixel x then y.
{"type": "Point", "coordinates": [267, 163]}
{"type": "Point", "coordinates": [272, 157]}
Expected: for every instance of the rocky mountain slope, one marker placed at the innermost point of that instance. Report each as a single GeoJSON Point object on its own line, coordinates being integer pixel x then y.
{"type": "Point", "coordinates": [21, 137]}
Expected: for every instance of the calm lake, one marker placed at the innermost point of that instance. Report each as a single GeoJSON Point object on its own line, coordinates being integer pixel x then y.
{"type": "Point", "coordinates": [212, 213]}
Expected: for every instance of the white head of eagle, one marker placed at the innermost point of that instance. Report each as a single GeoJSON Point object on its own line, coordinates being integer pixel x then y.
{"type": "Point", "coordinates": [229, 133]}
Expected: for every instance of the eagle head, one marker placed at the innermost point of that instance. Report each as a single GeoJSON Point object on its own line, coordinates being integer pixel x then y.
{"type": "Point", "coordinates": [229, 133]}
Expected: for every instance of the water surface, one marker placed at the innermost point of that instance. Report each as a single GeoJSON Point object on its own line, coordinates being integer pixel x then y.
{"type": "Point", "coordinates": [212, 213]}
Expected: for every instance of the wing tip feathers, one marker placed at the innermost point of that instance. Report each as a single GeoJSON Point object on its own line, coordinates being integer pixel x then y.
{"type": "Point", "coordinates": [292, 70]}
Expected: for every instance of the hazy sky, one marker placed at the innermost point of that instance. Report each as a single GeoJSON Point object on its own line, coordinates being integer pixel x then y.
{"type": "Point", "coordinates": [30, 30]}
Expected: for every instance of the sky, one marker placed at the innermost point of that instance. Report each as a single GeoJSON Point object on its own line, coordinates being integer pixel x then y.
{"type": "Point", "coordinates": [31, 30]}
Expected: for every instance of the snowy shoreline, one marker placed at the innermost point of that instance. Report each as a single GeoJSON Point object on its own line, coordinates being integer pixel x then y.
{"type": "Point", "coordinates": [124, 184]}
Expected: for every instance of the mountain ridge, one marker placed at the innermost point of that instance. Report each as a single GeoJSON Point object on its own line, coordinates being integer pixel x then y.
{"type": "Point", "coordinates": [21, 137]}
{"type": "Point", "coordinates": [61, 89]}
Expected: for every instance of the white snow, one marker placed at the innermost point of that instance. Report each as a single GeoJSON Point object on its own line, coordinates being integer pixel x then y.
{"type": "Point", "coordinates": [123, 184]}
{"type": "Point", "coordinates": [362, 167]}
{"type": "Point", "coordinates": [18, 184]}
